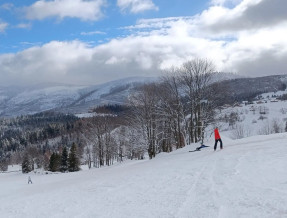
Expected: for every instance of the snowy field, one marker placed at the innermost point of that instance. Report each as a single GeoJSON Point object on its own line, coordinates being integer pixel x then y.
{"type": "Point", "coordinates": [253, 121]}
{"type": "Point", "coordinates": [247, 178]}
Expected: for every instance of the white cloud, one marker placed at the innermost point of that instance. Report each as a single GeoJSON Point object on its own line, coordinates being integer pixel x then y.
{"type": "Point", "coordinates": [218, 20]}
{"type": "Point", "coordinates": [50, 62]}
{"type": "Point", "coordinates": [136, 6]}
{"type": "Point", "coordinates": [3, 26]}
{"type": "Point", "coordinates": [250, 30]}
{"type": "Point", "coordinates": [76, 62]}
{"type": "Point", "coordinates": [259, 48]}
{"type": "Point", "coordinates": [24, 25]}
{"type": "Point", "coordinates": [225, 2]}
{"type": "Point", "coordinates": [7, 6]}
{"type": "Point", "coordinates": [85, 10]}
{"type": "Point", "coordinates": [92, 33]}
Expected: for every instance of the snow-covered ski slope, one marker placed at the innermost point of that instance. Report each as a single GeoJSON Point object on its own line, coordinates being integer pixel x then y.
{"type": "Point", "coordinates": [248, 178]}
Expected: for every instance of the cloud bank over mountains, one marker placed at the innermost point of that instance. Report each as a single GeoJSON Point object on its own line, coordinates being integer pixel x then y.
{"type": "Point", "coordinates": [247, 37]}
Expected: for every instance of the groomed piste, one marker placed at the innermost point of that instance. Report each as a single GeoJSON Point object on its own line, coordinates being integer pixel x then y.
{"type": "Point", "coordinates": [246, 179]}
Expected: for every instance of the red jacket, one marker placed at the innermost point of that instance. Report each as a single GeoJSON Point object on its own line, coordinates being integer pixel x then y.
{"type": "Point", "coordinates": [216, 134]}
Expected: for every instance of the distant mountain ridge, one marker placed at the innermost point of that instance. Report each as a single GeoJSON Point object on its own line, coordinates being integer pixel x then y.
{"type": "Point", "coordinates": [240, 89]}
{"type": "Point", "coordinates": [15, 101]}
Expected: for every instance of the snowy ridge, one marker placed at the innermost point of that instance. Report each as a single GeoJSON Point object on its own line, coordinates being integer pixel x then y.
{"type": "Point", "coordinates": [245, 179]}
{"type": "Point", "coordinates": [65, 98]}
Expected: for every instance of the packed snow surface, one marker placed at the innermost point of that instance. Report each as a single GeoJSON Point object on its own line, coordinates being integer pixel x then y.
{"type": "Point", "coordinates": [246, 179]}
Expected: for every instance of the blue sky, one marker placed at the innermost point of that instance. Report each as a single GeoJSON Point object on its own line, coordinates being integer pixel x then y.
{"type": "Point", "coordinates": [108, 26]}
{"type": "Point", "coordinates": [94, 41]}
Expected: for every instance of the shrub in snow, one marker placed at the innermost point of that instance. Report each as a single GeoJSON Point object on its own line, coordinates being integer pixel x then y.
{"type": "Point", "coordinates": [242, 118]}
{"type": "Point", "coordinates": [3, 165]}
{"type": "Point", "coordinates": [263, 110]}
{"type": "Point", "coordinates": [277, 126]}
{"type": "Point", "coordinates": [240, 131]}
{"type": "Point", "coordinates": [265, 129]}
{"type": "Point", "coordinates": [262, 118]}
{"type": "Point", "coordinates": [233, 118]}
{"type": "Point", "coordinates": [283, 110]}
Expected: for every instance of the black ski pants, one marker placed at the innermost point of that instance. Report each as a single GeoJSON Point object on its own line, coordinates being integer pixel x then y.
{"type": "Point", "coordinates": [221, 144]}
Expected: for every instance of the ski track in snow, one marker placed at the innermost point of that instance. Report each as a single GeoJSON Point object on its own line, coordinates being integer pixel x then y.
{"type": "Point", "coordinates": [246, 179]}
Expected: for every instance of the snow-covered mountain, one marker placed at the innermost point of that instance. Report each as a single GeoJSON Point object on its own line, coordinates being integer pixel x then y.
{"type": "Point", "coordinates": [65, 98]}
{"type": "Point", "coordinates": [16, 101]}
{"type": "Point", "coordinates": [246, 179]}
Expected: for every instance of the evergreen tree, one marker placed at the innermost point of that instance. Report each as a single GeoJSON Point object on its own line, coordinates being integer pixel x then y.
{"type": "Point", "coordinates": [55, 161]}
{"type": "Point", "coordinates": [27, 164]}
{"type": "Point", "coordinates": [52, 160]}
{"type": "Point", "coordinates": [58, 162]}
{"type": "Point", "coordinates": [73, 160]}
{"type": "Point", "coordinates": [286, 127]}
{"type": "Point", "coordinates": [64, 160]}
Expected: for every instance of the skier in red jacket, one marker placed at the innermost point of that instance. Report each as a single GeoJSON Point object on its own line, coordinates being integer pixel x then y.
{"type": "Point", "coordinates": [217, 138]}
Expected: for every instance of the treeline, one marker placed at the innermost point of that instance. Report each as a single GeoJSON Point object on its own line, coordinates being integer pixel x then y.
{"type": "Point", "coordinates": [64, 161]}
{"type": "Point", "coordinates": [116, 109]}
{"type": "Point", "coordinates": [37, 120]}
{"type": "Point", "coordinates": [18, 133]}
{"type": "Point", "coordinates": [35, 134]}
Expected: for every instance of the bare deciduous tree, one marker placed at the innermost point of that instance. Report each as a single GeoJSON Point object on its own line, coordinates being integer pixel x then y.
{"type": "Point", "coordinates": [145, 113]}
{"type": "Point", "coordinates": [195, 78]}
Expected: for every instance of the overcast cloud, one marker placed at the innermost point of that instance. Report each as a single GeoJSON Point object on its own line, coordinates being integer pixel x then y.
{"type": "Point", "coordinates": [249, 39]}
{"type": "Point", "coordinates": [249, 15]}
